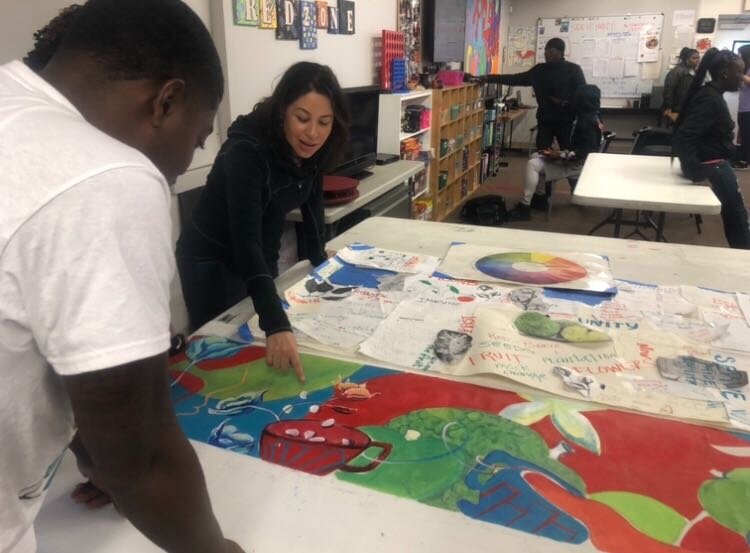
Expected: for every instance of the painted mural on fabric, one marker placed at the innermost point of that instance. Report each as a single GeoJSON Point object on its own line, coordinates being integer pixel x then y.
{"type": "Point", "coordinates": [554, 468]}
{"type": "Point", "coordinates": [482, 43]}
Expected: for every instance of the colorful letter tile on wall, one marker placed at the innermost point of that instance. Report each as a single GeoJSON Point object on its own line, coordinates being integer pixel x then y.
{"type": "Point", "coordinates": [308, 36]}
{"type": "Point", "coordinates": [346, 17]}
{"type": "Point", "coordinates": [288, 24]}
{"type": "Point", "coordinates": [322, 14]}
{"type": "Point", "coordinates": [246, 12]}
{"type": "Point", "coordinates": [333, 20]}
{"type": "Point", "coordinates": [267, 14]}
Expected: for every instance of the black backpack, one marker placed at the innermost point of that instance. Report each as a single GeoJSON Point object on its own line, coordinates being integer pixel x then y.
{"type": "Point", "coordinates": [487, 211]}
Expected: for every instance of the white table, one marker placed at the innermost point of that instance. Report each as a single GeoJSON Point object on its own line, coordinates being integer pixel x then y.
{"type": "Point", "coordinates": [271, 509]}
{"type": "Point", "coordinates": [383, 180]}
{"type": "Point", "coordinates": [644, 183]}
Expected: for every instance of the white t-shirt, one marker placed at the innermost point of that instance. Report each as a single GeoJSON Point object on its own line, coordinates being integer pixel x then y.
{"type": "Point", "coordinates": [85, 266]}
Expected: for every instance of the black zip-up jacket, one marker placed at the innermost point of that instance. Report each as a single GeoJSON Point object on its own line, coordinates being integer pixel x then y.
{"type": "Point", "coordinates": [676, 86]}
{"type": "Point", "coordinates": [558, 79]}
{"type": "Point", "coordinates": [706, 132]}
{"type": "Point", "coordinates": [240, 217]}
{"type": "Point", "coordinates": [587, 134]}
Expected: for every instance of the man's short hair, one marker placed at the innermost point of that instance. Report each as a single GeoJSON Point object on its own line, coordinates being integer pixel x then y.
{"type": "Point", "coordinates": [557, 44]}
{"type": "Point", "coordinates": [147, 39]}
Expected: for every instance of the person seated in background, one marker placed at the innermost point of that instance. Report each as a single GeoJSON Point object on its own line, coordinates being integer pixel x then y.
{"type": "Point", "coordinates": [743, 112]}
{"type": "Point", "coordinates": [271, 163]}
{"type": "Point", "coordinates": [677, 83]}
{"type": "Point", "coordinates": [551, 165]}
{"type": "Point", "coordinates": [554, 83]}
{"type": "Point", "coordinates": [703, 139]}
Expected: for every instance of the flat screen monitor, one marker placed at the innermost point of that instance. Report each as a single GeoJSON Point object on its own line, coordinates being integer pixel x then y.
{"type": "Point", "coordinates": [361, 149]}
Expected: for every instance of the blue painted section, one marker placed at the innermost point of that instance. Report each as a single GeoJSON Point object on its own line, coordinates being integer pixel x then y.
{"type": "Point", "coordinates": [351, 275]}
{"type": "Point", "coordinates": [507, 499]}
{"type": "Point", "coordinates": [200, 425]}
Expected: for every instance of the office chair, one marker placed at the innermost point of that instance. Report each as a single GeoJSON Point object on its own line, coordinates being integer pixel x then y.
{"type": "Point", "coordinates": [652, 141]}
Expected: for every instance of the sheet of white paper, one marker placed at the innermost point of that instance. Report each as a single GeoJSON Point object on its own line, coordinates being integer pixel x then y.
{"type": "Point", "coordinates": [712, 300]}
{"type": "Point", "coordinates": [677, 389]}
{"type": "Point", "coordinates": [388, 260]}
{"type": "Point", "coordinates": [631, 68]}
{"type": "Point", "coordinates": [346, 323]}
{"type": "Point", "coordinates": [616, 68]}
{"type": "Point", "coordinates": [586, 48]}
{"type": "Point", "coordinates": [683, 17]}
{"type": "Point", "coordinates": [738, 413]}
{"type": "Point", "coordinates": [603, 47]}
{"type": "Point", "coordinates": [648, 46]}
{"type": "Point", "coordinates": [650, 71]}
{"type": "Point", "coordinates": [735, 333]}
{"type": "Point", "coordinates": [337, 316]}
{"type": "Point", "coordinates": [601, 67]}
{"type": "Point", "coordinates": [618, 48]}
{"type": "Point", "coordinates": [574, 271]}
{"type": "Point", "coordinates": [411, 336]}
{"type": "Point", "coordinates": [499, 348]}
{"type": "Point", "coordinates": [743, 300]}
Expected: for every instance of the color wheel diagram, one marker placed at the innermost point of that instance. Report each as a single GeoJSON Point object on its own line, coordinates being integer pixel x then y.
{"type": "Point", "coordinates": [530, 268]}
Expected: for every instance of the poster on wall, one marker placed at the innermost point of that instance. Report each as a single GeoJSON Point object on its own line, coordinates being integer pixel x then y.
{"type": "Point", "coordinates": [267, 14]}
{"type": "Point", "coordinates": [346, 17]}
{"type": "Point", "coordinates": [648, 46]}
{"type": "Point", "coordinates": [288, 24]}
{"type": "Point", "coordinates": [308, 35]}
{"type": "Point", "coordinates": [703, 44]}
{"type": "Point", "coordinates": [333, 20]}
{"type": "Point", "coordinates": [410, 23]}
{"type": "Point", "coordinates": [246, 13]}
{"type": "Point", "coordinates": [482, 43]}
{"type": "Point", "coordinates": [322, 14]}
{"type": "Point", "coordinates": [522, 49]}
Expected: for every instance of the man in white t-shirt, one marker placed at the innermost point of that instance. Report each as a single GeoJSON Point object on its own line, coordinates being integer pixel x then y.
{"type": "Point", "coordinates": [87, 147]}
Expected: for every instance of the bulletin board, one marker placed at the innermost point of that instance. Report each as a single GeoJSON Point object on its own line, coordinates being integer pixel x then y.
{"type": "Point", "coordinates": [621, 54]}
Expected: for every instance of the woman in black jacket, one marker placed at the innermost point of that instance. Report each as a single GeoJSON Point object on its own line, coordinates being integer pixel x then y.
{"type": "Point", "coordinates": [677, 83]}
{"type": "Point", "coordinates": [270, 164]}
{"type": "Point", "coordinates": [703, 139]}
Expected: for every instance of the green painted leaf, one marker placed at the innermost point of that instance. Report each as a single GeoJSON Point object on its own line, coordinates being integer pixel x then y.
{"type": "Point", "coordinates": [257, 376]}
{"type": "Point", "coordinates": [420, 469]}
{"type": "Point", "coordinates": [527, 413]}
{"type": "Point", "coordinates": [576, 428]}
{"type": "Point", "coordinates": [727, 500]}
{"type": "Point", "coordinates": [652, 517]}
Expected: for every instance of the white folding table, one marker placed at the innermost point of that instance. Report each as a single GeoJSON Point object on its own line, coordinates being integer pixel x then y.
{"type": "Point", "coordinates": [642, 183]}
{"type": "Point", "coordinates": [269, 508]}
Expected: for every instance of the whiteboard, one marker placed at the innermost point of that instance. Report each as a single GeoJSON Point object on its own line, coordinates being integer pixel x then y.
{"type": "Point", "coordinates": [612, 50]}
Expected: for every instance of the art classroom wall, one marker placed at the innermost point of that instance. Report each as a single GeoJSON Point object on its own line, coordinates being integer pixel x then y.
{"type": "Point", "coordinates": [525, 14]}
{"type": "Point", "coordinates": [254, 60]}
{"type": "Point", "coordinates": [21, 18]}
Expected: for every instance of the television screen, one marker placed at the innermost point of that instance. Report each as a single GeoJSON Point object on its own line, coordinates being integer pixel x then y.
{"type": "Point", "coordinates": [360, 151]}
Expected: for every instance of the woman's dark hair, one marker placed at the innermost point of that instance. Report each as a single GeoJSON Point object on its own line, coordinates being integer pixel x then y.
{"type": "Point", "coordinates": [298, 80]}
{"type": "Point", "coordinates": [48, 38]}
{"type": "Point", "coordinates": [147, 39]}
{"type": "Point", "coordinates": [686, 53]}
{"type": "Point", "coordinates": [713, 63]}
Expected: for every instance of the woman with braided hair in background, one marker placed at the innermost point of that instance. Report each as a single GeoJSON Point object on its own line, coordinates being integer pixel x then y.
{"type": "Point", "coordinates": [703, 139]}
